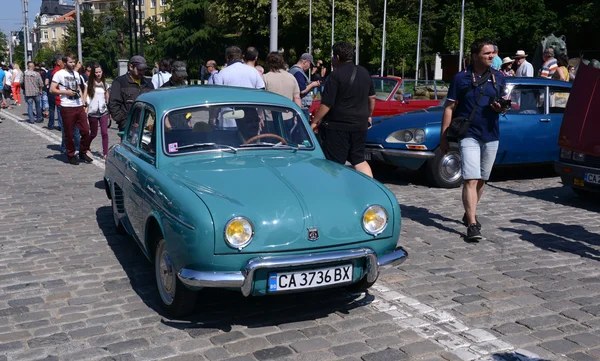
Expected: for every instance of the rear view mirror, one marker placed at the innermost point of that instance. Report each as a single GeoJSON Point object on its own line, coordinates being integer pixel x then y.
{"type": "Point", "coordinates": [233, 114]}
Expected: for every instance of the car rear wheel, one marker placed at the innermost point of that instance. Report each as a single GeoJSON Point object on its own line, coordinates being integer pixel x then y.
{"type": "Point", "coordinates": [444, 169]}
{"type": "Point", "coordinates": [115, 211]}
{"type": "Point", "coordinates": [176, 299]}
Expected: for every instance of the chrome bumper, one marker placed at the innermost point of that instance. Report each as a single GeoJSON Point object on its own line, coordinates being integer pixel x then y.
{"type": "Point", "coordinates": [245, 279]}
{"type": "Point", "coordinates": [419, 154]}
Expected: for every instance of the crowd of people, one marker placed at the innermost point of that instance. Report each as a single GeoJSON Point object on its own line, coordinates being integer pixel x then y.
{"type": "Point", "coordinates": [552, 68]}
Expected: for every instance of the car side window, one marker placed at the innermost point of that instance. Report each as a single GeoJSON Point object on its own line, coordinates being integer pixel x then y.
{"type": "Point", "coordinates": [558, 99]}
{"type": "Point", "coordinates": [133, 132]}
{"type": "Point", "coordinates": [148, 141]}
{"type": "Point", "coordinates": [527, 99]}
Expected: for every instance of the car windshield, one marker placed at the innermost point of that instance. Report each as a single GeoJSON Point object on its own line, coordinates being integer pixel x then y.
{"type": "Point", "coordinates": [384, 87]}
{"type": "Point", "coordinates": [233, 128]}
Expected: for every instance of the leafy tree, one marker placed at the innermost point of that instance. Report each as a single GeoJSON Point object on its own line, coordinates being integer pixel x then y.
{"type": "Point", "coordinates": [190, 33]}
{"type": "Point", "coordinates": [3, 47]}
{"type": "Point", "coordinates": [45, 55]}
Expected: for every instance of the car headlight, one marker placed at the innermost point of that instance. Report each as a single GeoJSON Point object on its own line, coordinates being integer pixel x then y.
{"type": "Point", "coordinates": [566, 154]}
{"type": "Point", "coordinates": [238, 232]}
{"type": "Point", "coordinates": [419, 136]}
{"type": "Point", "coordinates": [374, 220]}
{"type": "Point", "coordinates": [413, 135]}
{"type": "Point", "coordinates": [578, 157]}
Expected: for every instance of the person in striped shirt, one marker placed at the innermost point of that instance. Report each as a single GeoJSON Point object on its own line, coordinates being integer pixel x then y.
{"type": "Point", "coordinates": [550, 64]}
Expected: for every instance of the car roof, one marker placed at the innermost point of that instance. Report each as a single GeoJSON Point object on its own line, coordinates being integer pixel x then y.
{"type": "Point", "coordinates": [194, 95]}
{"type": "Point", "coordinates": [537, 81]}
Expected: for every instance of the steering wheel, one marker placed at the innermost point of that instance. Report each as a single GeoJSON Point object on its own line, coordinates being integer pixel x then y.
{"type": "Point", "coordinates": [266, 135]}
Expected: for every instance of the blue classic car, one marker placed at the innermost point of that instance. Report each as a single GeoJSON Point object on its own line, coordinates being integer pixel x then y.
{"type": "Point", "coordinates": [528, 133]}
{"type": "Point", "coordinates": [228, 187]}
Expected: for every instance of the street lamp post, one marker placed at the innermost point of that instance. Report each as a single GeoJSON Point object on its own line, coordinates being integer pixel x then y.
{"type": "Point", "coordinates": [78, 18]}
{"type": "Point", "coordinates": [10, 48]}
{"type": "Point", "coordinates": [25, 30]}
{"type": "Point", "coordinates": [462, 36]}
{"type": "Point", "coordinates": [383, 37]}
{"type": "Point", "coordinates": [419, 42]}
{"type": "Point", "coordinates": [273, 32]}
{"type": "Point", "coordinates": [310, 27]}
{"type": "Point", "coordinates": [357, 42]}
{"type": "Point", "coordinates": [332, 28]}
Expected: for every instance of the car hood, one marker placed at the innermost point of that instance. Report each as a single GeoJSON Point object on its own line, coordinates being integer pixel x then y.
{"type": "Point", "coordinates": [384, 126]}
{"type": "Point", "coordinates": [581, 121]}
{"type": "Point", "coordinates": [284, 194]}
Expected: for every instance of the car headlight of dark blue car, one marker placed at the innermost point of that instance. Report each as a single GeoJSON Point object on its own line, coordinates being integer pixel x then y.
{"type": "Point", "coordinates": [412, 135]}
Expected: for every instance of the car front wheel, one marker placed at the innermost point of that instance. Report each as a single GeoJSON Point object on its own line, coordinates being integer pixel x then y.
{"type": "Point", "coordinates": [175, 298]}
{"type": "Point", "coordinates": [444, 170]}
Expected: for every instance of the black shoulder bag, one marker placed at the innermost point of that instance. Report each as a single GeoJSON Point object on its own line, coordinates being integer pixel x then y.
{"type": "Point", "coordinates": [459, 126]}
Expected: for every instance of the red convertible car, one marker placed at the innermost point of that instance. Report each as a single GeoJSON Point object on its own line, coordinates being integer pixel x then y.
{"type": "Point", "coordinates": [389, 98]}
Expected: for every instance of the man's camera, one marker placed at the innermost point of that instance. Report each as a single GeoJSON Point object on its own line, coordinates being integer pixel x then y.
{"type": "Point", "coordinates": [504, 103]}
{"type": "Point", "coordinates": [77, 94]}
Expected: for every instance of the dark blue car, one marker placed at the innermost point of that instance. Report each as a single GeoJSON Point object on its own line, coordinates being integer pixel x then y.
{"type": "Point", "coordinates": [528, 133]}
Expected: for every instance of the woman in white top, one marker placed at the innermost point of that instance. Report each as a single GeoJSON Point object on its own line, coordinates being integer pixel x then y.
{"type": "Point", "coordinates": [17, 74]}
{"type": "Point", "coordinates": [97, 110]}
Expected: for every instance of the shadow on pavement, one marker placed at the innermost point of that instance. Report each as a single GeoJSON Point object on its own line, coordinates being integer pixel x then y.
{"type": "Point", "coordinates": [218, 309]}
{"type": "Point", "coordinates": [560, 237]}
{"type": "Point", "coordinates": [558, 195]}
{"type": "Point", "coordinates": [427, 218]}
{"type": "Point", "coordinates": [514, 356]}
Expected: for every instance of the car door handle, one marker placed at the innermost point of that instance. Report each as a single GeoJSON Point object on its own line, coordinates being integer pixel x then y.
{"type": "Point", "coordinates": [545, 120]}
{"type": "Point", "coordinates": [130, 166]}
{"type": "Point", "coordinates": [150, 189]}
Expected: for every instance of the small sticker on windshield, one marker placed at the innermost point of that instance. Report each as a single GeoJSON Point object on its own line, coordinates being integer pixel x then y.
{"type": "Point", "coordinates": [173, 147]}
{"type": "Point", "coordinates": [306, 143]}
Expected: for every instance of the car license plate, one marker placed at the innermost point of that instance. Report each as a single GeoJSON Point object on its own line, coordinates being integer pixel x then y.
{"type": "Point", "coordinates": [287, 281]}
{"type": "Point", "coordinates": [367, 156]}
{"type": "Point", "coordinates": [592, 178]}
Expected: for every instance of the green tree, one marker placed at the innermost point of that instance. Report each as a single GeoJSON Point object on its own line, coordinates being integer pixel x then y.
{"type": "Point", "coordinates": [190, 33]}
{"type": "Point", "coordinates": [3, 47]}
{"type": "Point", "coordinates": [45, 55]}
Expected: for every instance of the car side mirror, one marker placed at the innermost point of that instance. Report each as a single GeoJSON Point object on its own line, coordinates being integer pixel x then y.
{"type": "Point", "coordinates": [120, 134]}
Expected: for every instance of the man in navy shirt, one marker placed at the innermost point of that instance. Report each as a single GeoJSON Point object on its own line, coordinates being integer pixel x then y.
{"type": "Point", "coordinates": [478, 87]}
{"type": "Point", "coordinates": [299, 72]}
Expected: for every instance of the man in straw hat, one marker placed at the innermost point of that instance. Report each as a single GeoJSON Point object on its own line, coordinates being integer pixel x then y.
{"type": "Point", "coordinates": [524, 68]}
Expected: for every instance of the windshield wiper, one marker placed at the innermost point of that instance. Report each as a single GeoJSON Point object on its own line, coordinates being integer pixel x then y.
{"type": "Point", "coordinates": [198, 145]}
{"type": "Point", "coordinates": [269, 145]}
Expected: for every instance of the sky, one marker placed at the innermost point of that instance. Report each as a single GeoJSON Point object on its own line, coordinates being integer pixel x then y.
{"type": "Point", "coordinates": [11, 17]}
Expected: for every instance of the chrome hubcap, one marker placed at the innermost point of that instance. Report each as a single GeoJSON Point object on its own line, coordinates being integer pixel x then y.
{"type": "Point", "coordinates": [450, 167]}
{"type": "Point", "coordinates": [165, 275]}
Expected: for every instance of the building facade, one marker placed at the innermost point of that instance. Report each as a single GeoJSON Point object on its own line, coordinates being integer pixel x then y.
{"type": "Point", "coordinates": [51, 23]}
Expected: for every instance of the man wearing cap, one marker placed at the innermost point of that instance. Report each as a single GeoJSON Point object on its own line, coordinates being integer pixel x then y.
{"type": "Point", "coordinates": [126, 88]}
{"type": "Point", "coordinates": [306, 86]}
{"type": "Point", "coordinates": [524, 68]}
{"type": "Point", "coordinates": [178, 75]}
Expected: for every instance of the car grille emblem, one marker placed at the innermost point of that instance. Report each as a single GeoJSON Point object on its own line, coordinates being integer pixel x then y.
{"type": "Point", "coordinates": [313, 234]}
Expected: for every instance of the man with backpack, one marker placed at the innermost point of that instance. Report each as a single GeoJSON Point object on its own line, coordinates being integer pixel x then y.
{"type": "Point", "coordinates": [471, 117]}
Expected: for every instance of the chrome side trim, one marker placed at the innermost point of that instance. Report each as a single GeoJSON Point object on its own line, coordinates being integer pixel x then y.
{"type": "Point", "coordinates": [245, 279]}
{"type": "Point", "coordinates": [419, 154]}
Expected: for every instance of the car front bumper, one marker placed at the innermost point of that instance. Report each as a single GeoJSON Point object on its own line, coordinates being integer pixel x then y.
{"type": "Point", "coordinates": [407, 158]}
{"type": "Point", "coordinates": [244, 280]}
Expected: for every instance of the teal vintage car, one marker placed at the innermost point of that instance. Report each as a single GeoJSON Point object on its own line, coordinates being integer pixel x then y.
{"type": "Point", "coordinates": [227, 187]}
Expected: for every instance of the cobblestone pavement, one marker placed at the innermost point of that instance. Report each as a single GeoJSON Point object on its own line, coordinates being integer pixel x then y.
{"type": "Point", "coordinates": [72, 289]}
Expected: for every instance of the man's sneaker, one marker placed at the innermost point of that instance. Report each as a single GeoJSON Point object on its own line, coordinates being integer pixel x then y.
{"type": "Point", "coordinates": [73, 160]}
{"type": "Point", "coordinates": [466, 222]}
{"type": "Point", "coordinates": [84, 157]}
{"type": "Point", "coordinates": [473, 234]}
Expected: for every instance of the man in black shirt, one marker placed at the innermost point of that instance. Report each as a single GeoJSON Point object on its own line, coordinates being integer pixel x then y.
{"type": "Point", "coordinates": [344, 115]}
